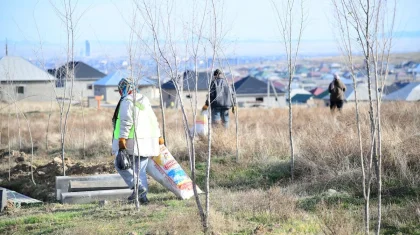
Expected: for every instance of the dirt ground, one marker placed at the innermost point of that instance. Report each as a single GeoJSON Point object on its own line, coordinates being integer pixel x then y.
{"type": "Point", "coordinates": [43, 185]}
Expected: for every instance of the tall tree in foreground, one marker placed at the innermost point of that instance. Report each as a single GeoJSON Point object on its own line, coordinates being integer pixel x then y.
{"type": "Point", "coordinates": [160, 18]}
{"type": "Point", "coordinates": [291, 30]}
{"type": "Point", "coordinates": [366, 26]}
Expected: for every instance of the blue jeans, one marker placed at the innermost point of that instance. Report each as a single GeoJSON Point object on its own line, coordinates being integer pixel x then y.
{"type": "Point", "coordinates": [218, 114]}
{"type": "Point", "coordinates": [128, 175]}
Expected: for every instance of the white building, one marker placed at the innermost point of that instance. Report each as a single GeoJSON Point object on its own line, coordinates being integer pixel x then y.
{"type": "Point", "coordinates": [84, 77]}
{"type": "Point", "coordinates": [21, 80]}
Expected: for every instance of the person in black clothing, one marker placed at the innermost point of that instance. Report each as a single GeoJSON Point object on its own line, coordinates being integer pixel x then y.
{"type": "Point", "coordinates": [221, 99]}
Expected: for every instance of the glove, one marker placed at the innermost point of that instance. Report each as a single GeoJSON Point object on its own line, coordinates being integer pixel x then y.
{"type": "Point", "coordinates": [205, 107]}
{"type": "Point", "coordinates": [161, 140]}
{"type": "Point", "coordinates": [233, 109]}
{"type": "Point", "coordinates": [122, 143]}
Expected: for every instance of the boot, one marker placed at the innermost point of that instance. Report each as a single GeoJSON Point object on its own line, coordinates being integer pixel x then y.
{"type": "Point", "coordinates": [142, 193]}
{"type": "Point", "coordinates": [144, 200]}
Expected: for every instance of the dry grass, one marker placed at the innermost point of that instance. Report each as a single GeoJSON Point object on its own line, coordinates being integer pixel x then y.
{"type": "Point", "coordinates": [336, 220]}
{"type": "Point", "coordinates": [325, 144]}
{"type": "Point", "coordinates": [254, 195]}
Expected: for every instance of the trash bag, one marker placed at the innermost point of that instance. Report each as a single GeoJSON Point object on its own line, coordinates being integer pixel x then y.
{"type": "Point", "coordinates": [123, 160]}
{"type": "Point", "coordinates": [167, 171]}
{"type": "Point", "coordinates": [201, 124]}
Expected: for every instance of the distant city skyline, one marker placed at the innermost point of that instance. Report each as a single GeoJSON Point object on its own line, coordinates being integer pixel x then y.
{"type": "Point", "coordinates": [251, 27]}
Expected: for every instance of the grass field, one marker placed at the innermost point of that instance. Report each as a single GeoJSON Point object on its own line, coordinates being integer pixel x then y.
{"type": "Point", "coordinates": [252, 196]}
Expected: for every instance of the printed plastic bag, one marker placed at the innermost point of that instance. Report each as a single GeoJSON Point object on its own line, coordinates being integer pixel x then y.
{"type": "Point", "coordinates": [167, 171]}
{"type": "Point", "coordinates": [201, 123]}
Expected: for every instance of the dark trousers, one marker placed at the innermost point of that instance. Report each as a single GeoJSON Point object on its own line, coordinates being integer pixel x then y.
{"type": "Point", "coordinates": [336, 104]}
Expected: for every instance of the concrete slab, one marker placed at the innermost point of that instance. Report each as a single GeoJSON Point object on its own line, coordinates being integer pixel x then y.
{"type": "Point", "coordinates": [62, 182]}
{"type": "Point", "coordinates": [94, 185]}
{"type": "Point", "coordinates": [94, 196]}
{"type": "Point", "coordinates": [15, 197]}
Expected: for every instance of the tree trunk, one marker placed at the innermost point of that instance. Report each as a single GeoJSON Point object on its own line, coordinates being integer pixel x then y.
{"type": "Point", "coordinates": [162, 108]}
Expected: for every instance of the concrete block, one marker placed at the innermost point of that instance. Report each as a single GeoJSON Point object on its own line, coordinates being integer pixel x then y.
{"type": "Point", "coordinates": [3, 198]}
{"type": "Point", "coordinates": [94, 185]}
{"type": "Point", "coordinates": [62, 182]}
{"type": "Point", "coordinates": [95, 196]}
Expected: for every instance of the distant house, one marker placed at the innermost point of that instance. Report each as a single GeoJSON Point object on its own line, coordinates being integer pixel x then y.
{"type": "Point", "coordinates": [187, 84]}
{"type": "Point", "coordinates": [330, 77]}
{"type": "Point", "coordinates": [316, 91]}
{"type": "Point", "coordinates": [324, 69]}
{"type": "Point", "coordinates": [308, 84]}
{"type": "Point", "coordinates": [336, 66]}
{"type": "Point", "coordinates": [279, 85]}
{"type": "Point", "coordinates": [417, 69]}
{"type": "Point", "coordinates": [347, 75]}
{"type": "Point", "coordinates": [314, 74]}
{"type": "Point", "coordinates": [301, 99]}
{"type": "Point", "coordinates": [400, 74]}
{"type": "Point", "coordinates": [394, 87]}
{"type": "Point", "coordinates": [251, 92]}
{"type": "Point", "coordinates": [327, 76]}
{"type": "Point", "coordinates": [84, 77]}
{"type": "Point", "coordinates": [410, 92]}
{"type": "Point", "coordinates": [263, 75]}
{"type": "Point", "coordinates": [296, 91]}
{"type": "Point", "coordinates": [108, 87]}
{"type": "Point", "coordinates": [409, 64]}
{"type": "Point", "coordinates": [301, 70]}
{"type": "Point", "coordinates": [362, 93]}
{"type": "Point", "coordinates": [322, 99]}
{"type": "Point", "coordinates": [300, 96]}
{"type": "Point", "coordinates": [19, 79]}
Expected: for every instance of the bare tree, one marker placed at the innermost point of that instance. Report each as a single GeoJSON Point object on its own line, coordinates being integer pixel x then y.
{"type": "Point", "coordinates": [32, 145]}
{"type": "Point", "coordinates": [365, 22]}
{"type": "Point", "coordinates": [69, 18]}
{"type": "Point", "coordinates": [345, 44]}
{"type": "Point", "coordinates": [165, 45]}
{"type": "Point", "coordinates": [234, 103]}
{"type": "Point", "coordinates": [8, 143]}
{"type": "Point", "coordinates": [291, 42]}
{"type": "Point", "coordinates": [48, 126]}
{"type": "Point", "coordinates": [381, 53]}
{"type": "Point", "coordinates": [132, 52]}
{"type": "Point", "coordinates": [84, 126]}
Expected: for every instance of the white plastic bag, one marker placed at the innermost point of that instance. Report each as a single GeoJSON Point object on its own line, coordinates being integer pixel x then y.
{"type": "Point", "coordinates": [201, 123]}
{"type": "Point", "coordinates": [167, 171]}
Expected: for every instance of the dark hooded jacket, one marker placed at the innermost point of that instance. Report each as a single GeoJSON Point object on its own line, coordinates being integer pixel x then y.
{"type": "Point", "coordinates": [336, 89]}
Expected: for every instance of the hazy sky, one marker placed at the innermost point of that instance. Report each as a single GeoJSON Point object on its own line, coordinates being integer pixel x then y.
{"type": "Point", "coordinates": [250, 22]}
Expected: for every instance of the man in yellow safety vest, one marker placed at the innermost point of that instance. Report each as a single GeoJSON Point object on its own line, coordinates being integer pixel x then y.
{"type": "Point", "coordinates": [137, 133]}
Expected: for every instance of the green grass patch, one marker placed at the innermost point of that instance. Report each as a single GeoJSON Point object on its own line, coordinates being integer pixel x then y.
{"type": "Point", "coordinates": [343, 199]}
{"type": "Point", "coordinates": [403, 229]}
{"type": "Point", "coordinates": [227, 173]}
{"type": "Point", "coordinates": [37, 222]}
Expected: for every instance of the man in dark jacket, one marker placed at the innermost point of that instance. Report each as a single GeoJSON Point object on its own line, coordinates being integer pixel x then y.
{"type": "Point", "coordinates": [221, 99]}
{"type": "Point", "coordinates": [336, 89]}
